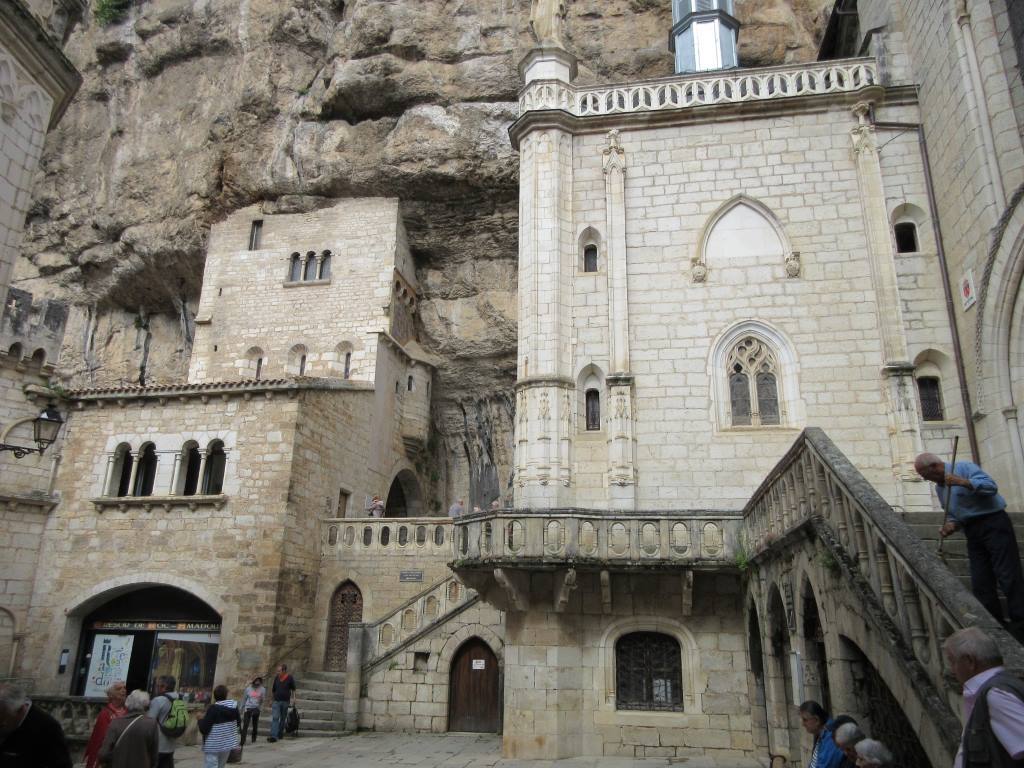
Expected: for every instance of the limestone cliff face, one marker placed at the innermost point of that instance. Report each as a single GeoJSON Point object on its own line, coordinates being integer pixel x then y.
{"type": "Point", "coordinates": [193, 108]}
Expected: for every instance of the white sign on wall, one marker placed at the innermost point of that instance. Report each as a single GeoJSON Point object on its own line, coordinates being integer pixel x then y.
{"type": "Point", "coordinates": [479, 663]}
{"type": "Point", "coordinates": [111, 655]}
{"type": "Point", "coordinates": [967, 289]}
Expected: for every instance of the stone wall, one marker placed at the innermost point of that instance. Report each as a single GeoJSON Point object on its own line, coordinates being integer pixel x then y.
{"type": "Point", "coordinates": [251, 553]}
{"type": "Point", "coordinates": [799, 170]}
{"type": "Point", "coordinates": [404, 696]}
{"type": "Point", "coordinates": [560, 680]}
{"type": "Point", "coordinates": [250, 301]}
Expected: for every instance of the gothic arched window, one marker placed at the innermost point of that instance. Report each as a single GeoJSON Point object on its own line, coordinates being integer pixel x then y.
{"type": "Point", "coordinates": [648, 672]}
{"type": "Point", "coordinates": [753, 372]}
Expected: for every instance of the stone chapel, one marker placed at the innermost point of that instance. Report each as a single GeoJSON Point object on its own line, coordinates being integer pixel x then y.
{"type": "Point", "coordinates": [745, 297]}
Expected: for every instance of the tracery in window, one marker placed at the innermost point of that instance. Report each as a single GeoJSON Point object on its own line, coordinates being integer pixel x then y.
{"type": "Point", "coordinates": [648, 672]}
{"type": "Point", "coordinates": [753, 372]}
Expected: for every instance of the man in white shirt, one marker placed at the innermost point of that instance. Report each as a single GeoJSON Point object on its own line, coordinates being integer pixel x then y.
{"type": "Point", "coordinates": [993, 702]}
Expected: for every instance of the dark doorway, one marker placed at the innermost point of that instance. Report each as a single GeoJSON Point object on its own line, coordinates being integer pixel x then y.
{"type": "Point", "coordinates": [396, 504]}
{"type": "Point", "coordinates": [346, 607]}
{"type": "Point", "coordinates": [474, 697]}
{"type": "Point", "coordinates": [152, 631]}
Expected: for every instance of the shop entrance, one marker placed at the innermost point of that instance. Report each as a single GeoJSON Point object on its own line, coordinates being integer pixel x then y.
{"type": "Point", "coordinates": [141, 635]}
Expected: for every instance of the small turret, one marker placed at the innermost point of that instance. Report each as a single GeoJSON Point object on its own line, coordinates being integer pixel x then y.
{"type": "Point", "coordinates": [703, 35]}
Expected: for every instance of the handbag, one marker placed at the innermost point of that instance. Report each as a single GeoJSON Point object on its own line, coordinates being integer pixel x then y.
{"type": "Point", "coordinates": [236, 755]}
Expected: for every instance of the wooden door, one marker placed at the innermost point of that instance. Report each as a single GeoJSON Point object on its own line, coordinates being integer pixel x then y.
{"type": "Point", "coordinates": [474, 695]}
{"type": "Point", "coordinates": [346, 606]}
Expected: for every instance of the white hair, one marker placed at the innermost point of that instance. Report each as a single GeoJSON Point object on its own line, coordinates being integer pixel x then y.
{"type": "Point", "coordinates": [873, 752]}
{"type": "Point", "coordinates": [973, 642]}
{"type": "Point", "coordinates": [137, 701]}
{"type": "Point", "coordinates": [113, 686]}
{"type": "Point", "coordinates": [12, 696]}
{"type": "Point", "coordinates": [848, 734]}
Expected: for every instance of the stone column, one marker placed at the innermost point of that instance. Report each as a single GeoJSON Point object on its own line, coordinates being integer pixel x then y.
{"type": "Point", "coordinates": [897, 369]}
{"type": "Point", "coordinates": [546, 262]}
{"type": "Point", "coordinates": [621, 454]}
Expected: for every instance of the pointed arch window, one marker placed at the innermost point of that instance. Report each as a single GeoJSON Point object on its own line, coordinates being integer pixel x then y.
{"type": "Point", "coordinates": [753, 370]}
{"type": "Point", "coordinates": [590, 258]}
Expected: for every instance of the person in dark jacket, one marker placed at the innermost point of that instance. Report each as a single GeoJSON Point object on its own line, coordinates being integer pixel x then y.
{"type": "Point", "coordinates": [29, 738]}
{"type": "Point", "coordinates": [131, 740]}
{"type": "Point", "coordinates": [283, 692]}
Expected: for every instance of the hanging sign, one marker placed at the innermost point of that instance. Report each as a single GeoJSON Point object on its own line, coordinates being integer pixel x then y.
{"type": "Point", "coordinates": [111, 655]}
{"type": "Point", "coordinates": [479, 663]}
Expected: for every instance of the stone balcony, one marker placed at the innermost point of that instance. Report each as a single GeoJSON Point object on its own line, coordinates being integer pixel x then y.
{"type": "Point", "coordinates": [703, 89]}
{"type": "Point", "coordinates": [496, 553]}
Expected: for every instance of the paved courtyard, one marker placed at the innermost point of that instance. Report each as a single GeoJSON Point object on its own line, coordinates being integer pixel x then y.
{"type": "Point", "coordinates": [450, 750]}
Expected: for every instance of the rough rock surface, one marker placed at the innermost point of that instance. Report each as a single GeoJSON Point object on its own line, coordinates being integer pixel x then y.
{"type": "Point", "coordinates": [192, 108]}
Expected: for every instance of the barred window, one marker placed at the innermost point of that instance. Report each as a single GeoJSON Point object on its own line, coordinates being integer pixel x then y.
{"type": "Point", "coordinates": [648, 672]}
{"type": "Point", "coordinates": [931, 398]}
{"type": "Point", "coordinates": [753, 384]}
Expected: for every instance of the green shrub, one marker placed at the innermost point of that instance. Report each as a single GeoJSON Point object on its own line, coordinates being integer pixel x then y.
{"type": "Point", "coordinates": [111, 11]}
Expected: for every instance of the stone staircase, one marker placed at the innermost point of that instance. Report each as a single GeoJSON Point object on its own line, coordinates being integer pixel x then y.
{"type": "Point", "coordinates": [954, 551]}
{"type": "Point", "coordinates": [321, 698]}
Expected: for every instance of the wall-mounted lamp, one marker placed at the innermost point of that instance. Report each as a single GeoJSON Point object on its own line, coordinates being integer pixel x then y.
{"type": "Point", "coordinates": [45, 428]}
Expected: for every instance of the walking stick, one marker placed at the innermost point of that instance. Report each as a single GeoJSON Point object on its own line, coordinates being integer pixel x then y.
{"type": "Point", "coordinates": [949, 494]}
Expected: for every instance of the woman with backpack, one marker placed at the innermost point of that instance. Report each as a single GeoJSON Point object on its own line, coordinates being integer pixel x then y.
{"type": "Point", "coordinates": [131, 740]}
{"type": "Point", "coordinates": [220, 726]}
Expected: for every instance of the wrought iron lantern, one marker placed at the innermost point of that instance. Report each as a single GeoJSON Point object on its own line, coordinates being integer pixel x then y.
{"type": "Point", "coordinates": [45, 428]}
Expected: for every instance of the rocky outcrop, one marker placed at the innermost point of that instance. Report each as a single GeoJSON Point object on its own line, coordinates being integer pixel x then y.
{"type": "Point", "coordinates": [193, 108]}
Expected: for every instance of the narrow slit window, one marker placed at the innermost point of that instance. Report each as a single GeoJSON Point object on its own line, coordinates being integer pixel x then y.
{"type": "Point", "coordinates": [348, 364]}
{"type": "Point", "coordinates": [931, 398]}
{"type": "Point", "coordinates": [302, 366]}
{"type": "Point", "coordinates": [593, 410]}
{"type": "Point", "coordinates": [259, 368]}
{"type": "Point", "coordinates": [590, 258]}
{"type": "Point", "coordinates": [325, 265]}
{"type": "Point", "coordinates": [256, 235]}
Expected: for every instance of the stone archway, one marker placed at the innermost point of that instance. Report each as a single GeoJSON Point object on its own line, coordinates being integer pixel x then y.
{"type": "Point", "coordinates": [404, 496]}
{"type": "Point", "coordinates": [346, 607]}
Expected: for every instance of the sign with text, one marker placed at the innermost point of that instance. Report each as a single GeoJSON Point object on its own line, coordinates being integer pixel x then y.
{"type": "Point", "coordinates": [111, 655]}
{"type": "Point", "coordinates": [410, 576]}
{"type": "Point", "coordinates": [479, 663]}
{"type": "Point", "coordinates": [180, 626]}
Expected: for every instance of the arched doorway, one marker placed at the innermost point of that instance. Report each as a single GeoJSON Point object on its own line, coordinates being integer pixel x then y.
{"type": "Point", "coordinates": [474, 694]}
{"type": "Point", "coordinates": [346, 607]}
{"type": "Point", "coordinates": [142, 634]}
{"type": "Point", "coordinates": [404, 498]}
{"type": "Point", "coordinates": [815, 662]}
{"type": "Point", "coordinates": [886, 720]}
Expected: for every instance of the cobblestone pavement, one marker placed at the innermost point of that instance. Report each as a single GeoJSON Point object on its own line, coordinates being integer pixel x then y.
{"type": "Point", "coordinates": [449, 750]}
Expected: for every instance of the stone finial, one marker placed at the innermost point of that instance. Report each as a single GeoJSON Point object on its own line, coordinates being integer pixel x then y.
{"type": "Point", "coordinates": [793, 264]}
{"type": "Point", "coordinates": [614, 154]}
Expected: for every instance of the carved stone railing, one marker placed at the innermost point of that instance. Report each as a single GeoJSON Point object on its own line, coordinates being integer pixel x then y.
{"type": "Point", "coordinates": [604, 539]}
{"type": "Point", "coordinates": [729, 87]}
{"type": "Point", "coordinates": [416, 616]}
{"type": "Point", "coordinates": [816, 485]}
{"type": "Point", "coordinates": [419, 536]}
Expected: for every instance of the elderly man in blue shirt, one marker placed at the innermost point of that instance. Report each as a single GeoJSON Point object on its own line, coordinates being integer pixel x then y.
{"type": "Point", "coordinates": [976, 508]}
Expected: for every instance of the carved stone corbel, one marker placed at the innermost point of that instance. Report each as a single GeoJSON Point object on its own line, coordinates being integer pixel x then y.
{"type": "Point", "coordinates": [517, 587]}
{"type": "Point", "coordinates": [606, 592]}
{"type": "Point", "coordinates": [565, 583]}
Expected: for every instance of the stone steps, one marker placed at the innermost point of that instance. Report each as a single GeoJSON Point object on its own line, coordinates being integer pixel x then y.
{"type": "Point", "coordinates": [321, 704]}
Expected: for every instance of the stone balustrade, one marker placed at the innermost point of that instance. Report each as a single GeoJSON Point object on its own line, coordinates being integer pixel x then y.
{"type": "Point", "coordinates": [605, 539]}
{"type": "Point", "coordinates": [815, 484]}
{"type": "Point", "coordinates": [420, 536]}
{"type": "Point", "coordinates": [704, 89]}
{"type": "Point", "coordinates": [434, 604]}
